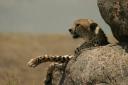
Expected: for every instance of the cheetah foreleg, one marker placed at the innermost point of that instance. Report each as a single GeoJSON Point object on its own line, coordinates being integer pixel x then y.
{"type": "Point", "coordinates": [85, 45]}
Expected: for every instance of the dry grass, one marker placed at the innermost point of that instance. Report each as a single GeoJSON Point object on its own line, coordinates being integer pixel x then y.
{"type": "Point", "coordinates": [17, 48]}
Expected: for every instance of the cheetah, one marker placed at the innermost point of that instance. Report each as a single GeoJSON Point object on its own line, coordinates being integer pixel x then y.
{"type": "Point", "coordinates": [82, 28]}
{"type": "Point", "coordinates": [90, 31]}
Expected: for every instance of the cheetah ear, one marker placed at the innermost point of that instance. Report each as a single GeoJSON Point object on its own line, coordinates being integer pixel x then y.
{"type": "Point", "coordinates": [93, 26]}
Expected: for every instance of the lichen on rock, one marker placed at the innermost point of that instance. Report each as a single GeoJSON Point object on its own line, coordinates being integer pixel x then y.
{"type": "Point", "coordinates": [115, 14]}
{"type": "Point", "coordinates": [106, 65]}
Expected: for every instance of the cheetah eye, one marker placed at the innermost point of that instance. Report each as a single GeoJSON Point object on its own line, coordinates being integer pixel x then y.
{"type": "Point", "coordinates": [77, 25]}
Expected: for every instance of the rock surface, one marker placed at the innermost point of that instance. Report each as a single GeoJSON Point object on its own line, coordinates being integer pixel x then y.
{"type": "Point", "coordinates": [106, 65]}
{"type": "Point", "coordinates": [115, 13]}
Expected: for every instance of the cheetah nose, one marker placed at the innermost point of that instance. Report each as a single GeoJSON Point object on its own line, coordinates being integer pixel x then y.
{"type": "Point", "coordinates": [70, 30]}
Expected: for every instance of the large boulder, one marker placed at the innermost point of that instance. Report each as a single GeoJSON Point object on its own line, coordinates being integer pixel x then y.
{"type": "Point", "coordinates": [115, 13]}
{"type": "Point", "coordinates": [106, 65]}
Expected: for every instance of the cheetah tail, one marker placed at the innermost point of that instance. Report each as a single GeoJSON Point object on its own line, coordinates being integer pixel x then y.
{"type": "Point", "coordinates": [47, 58]}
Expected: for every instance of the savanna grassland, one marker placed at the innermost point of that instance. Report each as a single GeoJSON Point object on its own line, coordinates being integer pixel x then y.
{"type": "Point", "coordinates": [16, 49]}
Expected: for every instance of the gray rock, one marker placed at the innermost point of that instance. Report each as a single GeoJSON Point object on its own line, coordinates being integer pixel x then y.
{"type": "Point", "coordinates": [115, 13]}
{"type": "Point", "coordinates": [106, 65]}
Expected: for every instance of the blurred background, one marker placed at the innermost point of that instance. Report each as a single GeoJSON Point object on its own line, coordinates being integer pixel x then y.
{"type": "Point", "coordinates": [29, 28]}
{"type": "Point", "coordinates": [46, 16]}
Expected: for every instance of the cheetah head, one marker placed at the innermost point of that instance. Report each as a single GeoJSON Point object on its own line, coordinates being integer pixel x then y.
{"type": "Point", "coordinates": [84, 28]}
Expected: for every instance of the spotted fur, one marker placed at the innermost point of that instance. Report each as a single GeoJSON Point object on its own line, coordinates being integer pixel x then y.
{"type": "Point", "coordinates": [47, 58]}
{"type": "Point", "coordinates": [58, 62]}
{"type": "Point", "coordinates": [90, 31]}
{"type": "Point", "coordinates": [82, 28]}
